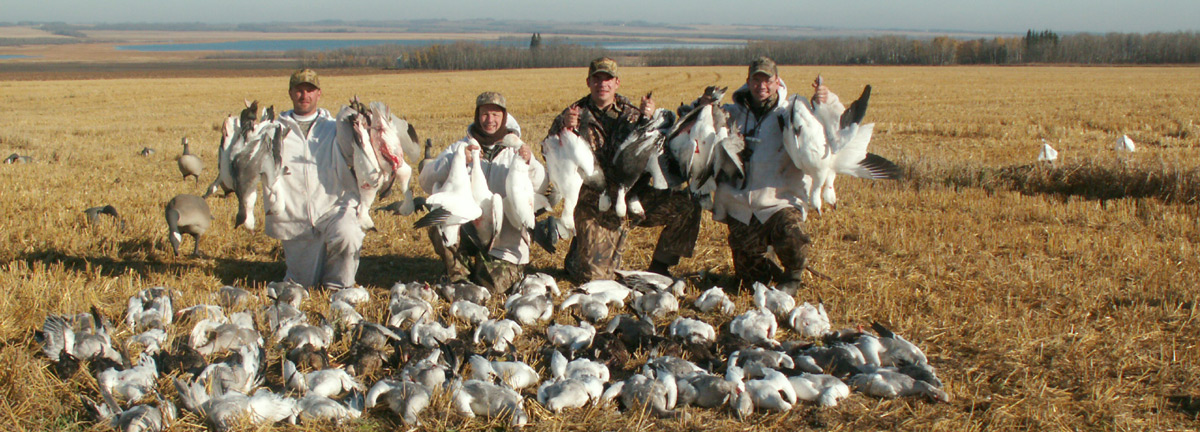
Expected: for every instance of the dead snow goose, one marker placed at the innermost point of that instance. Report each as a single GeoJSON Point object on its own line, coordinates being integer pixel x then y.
{"type": "Point", "coordinates": [714, 298]}
{"type": "Point", "coordinates": [497, 333]}
{"type": "Point", "coordinates": [808, 320]}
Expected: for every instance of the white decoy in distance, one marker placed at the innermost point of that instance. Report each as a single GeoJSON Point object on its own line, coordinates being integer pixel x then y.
{"type": "Point", "coordinates": [1048, 154]}
{"type": "Point", "coordinates": [452, 204]}
{"type": "Point", "coordinates": [1125, 145]}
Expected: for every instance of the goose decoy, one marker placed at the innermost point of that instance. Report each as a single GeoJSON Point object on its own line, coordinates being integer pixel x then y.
{"type": "Point", "coordinates": [1048, 154]}
{"type": "Point", "coordinates": [187, 214]}
{"type": "Point", "coordinates": [18, 159]}
{"type": "Point", "coordinates": [1124, 144]}
{"type": "Point", "coordinates": [714, 298]}
{"type": "Point", "coordinates": [146, 151]}
{"type": "Point", "coordinates": [189, 164]}
{"type": "Point", "coordinates": [808, 320]}
{"type": "Point", "coordinates": [429, 155]}
{"type": "Point", "coordinates": [823, 389]}
{"type": "Point", "coordinates": [93, 215]}
{"type": "Point", "coordinates": [473, 398]}
{"type": "Point", "coordinates": [405, 398]}
{"type": "Point", "coordinates": [498, 334]}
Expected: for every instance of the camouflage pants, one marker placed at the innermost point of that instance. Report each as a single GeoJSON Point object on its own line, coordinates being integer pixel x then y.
{"type": "Point", "coordinates": [494, 273]}
{"type": "Point", "coordinates": [596, 249]}
{"type": "Point", "coordinates": [783, 232]}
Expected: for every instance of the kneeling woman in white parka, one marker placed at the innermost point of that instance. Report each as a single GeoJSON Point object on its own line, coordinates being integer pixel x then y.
{"type": "Point", "coordinates": [506, 183]}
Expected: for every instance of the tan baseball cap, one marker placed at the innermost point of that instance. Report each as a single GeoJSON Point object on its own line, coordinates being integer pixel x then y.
{"type": "Point", "coordinates": [491, 98]}
{"type": "Point", "coordinates": [605, 65]}
{"type": "Point", "coordinates": [763, 65]}
{"type": "Point", "coordinates": [304, 76]}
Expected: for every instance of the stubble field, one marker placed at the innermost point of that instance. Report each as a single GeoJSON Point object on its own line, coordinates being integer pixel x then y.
{"type": "Point", "coordinates": [1048, 297]}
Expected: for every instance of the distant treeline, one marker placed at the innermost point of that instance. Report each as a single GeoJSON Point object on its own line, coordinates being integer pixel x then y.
{"type": "Point", "coordinates": [455, 56]}
{"type": "Point", "coordinates": [1034, 47]}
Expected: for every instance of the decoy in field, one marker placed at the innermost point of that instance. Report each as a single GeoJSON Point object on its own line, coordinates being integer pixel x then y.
{"type": "Point", "coordinates": [405, 398]}
{"type": "Point", "coordinates": [146, 151]}
{"type": "Point", "coordinates": [1125, 145]}
{"type": "Point", "coordinates": [1048, 154]}
{"type": "Point", "coordinates": [714, 298]}
{"type": "Point", "coordinates": [189, 164]}
{"type": "Point", "coordinates": [18, 159]}
{"type": "Point", "coordinates": [452, 204]}
{"type": "Point", "coordinates": [138, 418]}
{"type": "Point", "coordinates": [430, 371]}
{"type": "Point", "coordinates": [187, 214]}
{"type": "Point", "coordinates": [93, 214]}
{"type": "Point", "coordinates": [473, 398]}
{"type": "Point", "coordinates": [808, 320]}
{"type": "Point", "coordinates": [429, 155]}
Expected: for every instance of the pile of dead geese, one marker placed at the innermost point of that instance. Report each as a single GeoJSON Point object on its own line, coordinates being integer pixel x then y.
{"type": "Point", "coordinates": [240, 360]}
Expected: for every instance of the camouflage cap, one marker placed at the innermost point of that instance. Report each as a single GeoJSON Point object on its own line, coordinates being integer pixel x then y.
{"type": "Point", "coordinates": [304, 76]}
{"type": "Point", "coordinates": [605, 65]}
{"type": "Point", "coordinates": [763, 65]}
{"type": "Point", "coordinates": [491, 98]}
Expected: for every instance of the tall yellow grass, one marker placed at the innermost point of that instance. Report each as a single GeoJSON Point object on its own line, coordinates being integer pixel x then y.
{"type": "Point", "coordinates": [1042, 307]}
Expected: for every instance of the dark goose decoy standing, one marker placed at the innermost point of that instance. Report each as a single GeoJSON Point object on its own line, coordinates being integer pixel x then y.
{"type": "Point", "coordinates": [187, 214]}
{"type": "Point", "coordinates": [189, 164]}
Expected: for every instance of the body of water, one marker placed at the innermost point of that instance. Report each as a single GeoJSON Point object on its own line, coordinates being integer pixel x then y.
{"type": "Point", "coordinates": [13, 56]}
{"type": "Point", "coordinates": [331, 44]}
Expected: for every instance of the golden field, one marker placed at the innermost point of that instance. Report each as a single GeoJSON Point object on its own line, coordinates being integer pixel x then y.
{"type": "Point", "coordinates": [1042, 307]}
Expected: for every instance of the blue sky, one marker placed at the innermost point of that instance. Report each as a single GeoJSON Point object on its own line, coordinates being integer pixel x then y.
{"type": "Point", "coordinates": [1098, 16]}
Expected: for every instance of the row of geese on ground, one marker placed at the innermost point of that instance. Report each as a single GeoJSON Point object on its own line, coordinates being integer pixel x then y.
{"type": "Point", "coordinates": [456, 347]}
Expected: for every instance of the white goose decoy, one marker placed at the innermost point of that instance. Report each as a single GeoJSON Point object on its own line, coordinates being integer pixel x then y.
{"type": "Point", "coordinates": [473, 398]}
{"type": "Point", "coordinates": [823, 142]}
{"type": "Point", "coordinates": [892, 384]}
{"type": "Point", "coordinates": [658, 395]}
{"type": "Point", "coordinates": [405, 398]}
{"type": "Point", "coordinates": [497, 333]}
{"type": "Point", "coordinates": [714, 298]}
{"type": "Point", "coordinates": [529, 309]}
{"type": "Point", "coordinates": [1125, 145]}
{"type": "Point", "coordinates": [470, 312]}
{"type": "Point", "coordinates": [808, 320]}
{"type": "Point", "coordinates": [318, 408]}
{"type": "Point", "coordinates": [514, 374]}
{"type": "Point", "coordinates": [692, 331]}
{"type": "Point", "coordinates": [656, 304]}
{"type": "Point", "coordinates": [569, 393]}
{"type": "Point", "coordinates": [756, 326]}
{"type": "Point", "coordinates": [570, 337]}
{"type": "Point", "coordinates": [823, 389]}
{"type": "Point", "coordinates": [131, 384]}
{"type": "Point", "coordinates": [778, 302]}
{"type": "Point", "coordinates": [431, 334]}
{"type": "Point", "coordinates": [451, 204]}
{"type": "Point", "coordinates": [1048, 154]}
{"type": "Point", "coordinates": [569, 164]}
{"type": "Point", "coordinates": [325, 382]}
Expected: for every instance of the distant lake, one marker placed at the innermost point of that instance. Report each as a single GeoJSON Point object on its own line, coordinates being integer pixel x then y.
{"type": "Point", "coordinates": [13, 56]}
{"type": "Point", "coordinates": [331, 44]}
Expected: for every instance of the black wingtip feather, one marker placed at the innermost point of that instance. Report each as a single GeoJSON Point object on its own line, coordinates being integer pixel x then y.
{"type": "Point", "coordinates": [434, 217]}
{"type": "Point", "coordinates": [880, 168]}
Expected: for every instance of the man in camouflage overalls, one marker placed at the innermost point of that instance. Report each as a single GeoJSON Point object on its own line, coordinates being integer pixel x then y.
{"type": "Point", "coordinates": [595, 250]}
{"type": "Point", "coordinates": [762, 211]}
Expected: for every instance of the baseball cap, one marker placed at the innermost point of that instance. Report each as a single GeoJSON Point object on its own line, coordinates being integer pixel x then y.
{"type": "Point", "coordinates": [763, 65]}
{"type": "Point", "coordinates": [304, 76]}
{"type": "Point", "coordinates": [491, 98]}
{"type": "Point", "coordinates": [605, 65]}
